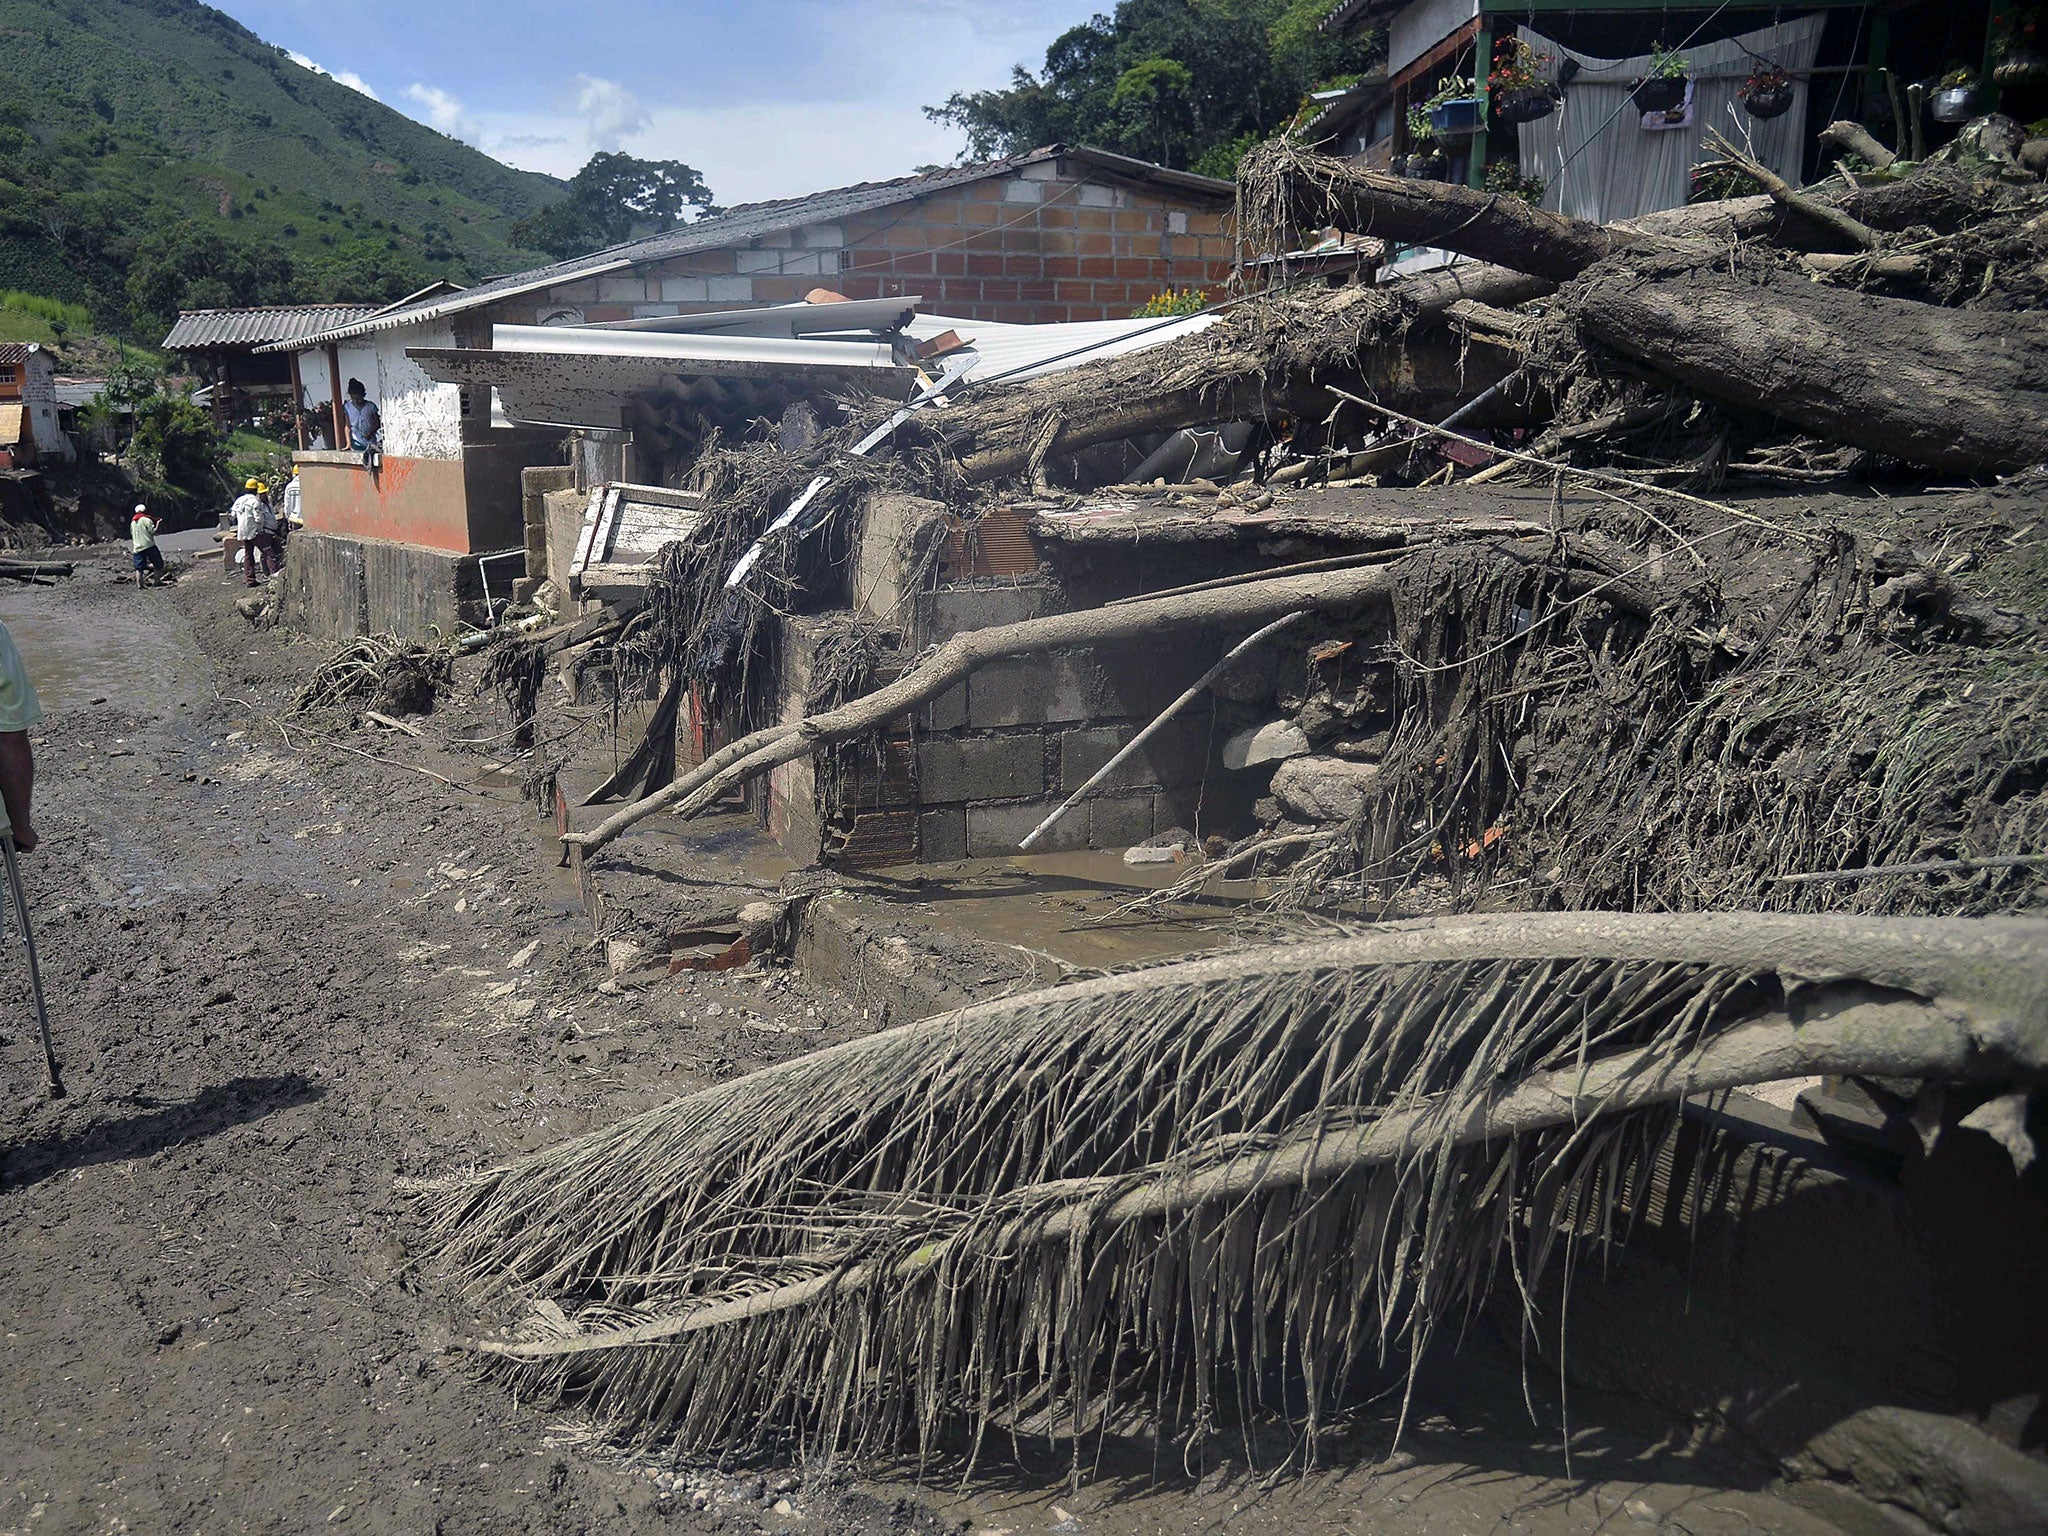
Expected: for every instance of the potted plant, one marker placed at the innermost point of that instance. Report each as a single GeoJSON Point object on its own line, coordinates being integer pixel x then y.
{"type": "Point", "coordinates": [1767, 93]}
{"type": "Point", "coordinates": [1663, 89]}
{"type": "Point", "coordinates": [1955, 98]}
{"type": "Point", "coordinates": [1520, 92]}
{"type": "Point", "coordinates": [1456, 109]}
{"type": "Point", "coordinates": [1505, 177]}
{"type": "Point", "coordinates": [1426, 158]}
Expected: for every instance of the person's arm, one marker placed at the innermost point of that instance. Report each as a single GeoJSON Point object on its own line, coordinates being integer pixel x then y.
{"type": "Point", "coordinates": [17, 786]}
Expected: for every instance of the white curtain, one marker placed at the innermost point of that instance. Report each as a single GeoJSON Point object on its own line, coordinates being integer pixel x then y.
{"type": "Point", "coordinates": [1602, 164]}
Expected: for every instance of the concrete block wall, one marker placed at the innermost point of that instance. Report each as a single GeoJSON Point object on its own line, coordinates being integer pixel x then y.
{"type": "Point", "coordinates": [1049, 243]}
{"type": "Point", "coordinates": [535, 485]}
{"type": "Point", "coordinates": [336, 588]}
{"type": "Point", "coordinates": [995, 755]}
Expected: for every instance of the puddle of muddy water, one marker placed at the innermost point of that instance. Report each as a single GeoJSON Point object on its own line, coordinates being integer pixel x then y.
{"type": "Point", "coordinates": [117, 655]}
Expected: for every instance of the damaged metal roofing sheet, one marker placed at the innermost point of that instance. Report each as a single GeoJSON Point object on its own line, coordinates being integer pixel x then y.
{"type": "Point", "coordinates": [757, 219]}
{"type": "Point", "coordinates": [200, 328]}
{"type": "Point", "coordinates": [562, 375]}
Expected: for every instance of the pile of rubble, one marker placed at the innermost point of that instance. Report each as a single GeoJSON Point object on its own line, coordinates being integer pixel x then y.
{"type": "Point", "coordinates": [1707, 637]}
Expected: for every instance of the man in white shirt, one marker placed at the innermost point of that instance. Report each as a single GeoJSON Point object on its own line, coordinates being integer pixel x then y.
{"type": "Point", "coordinates": [142, 536]}
{"type": "Point", "coordinates": [248, 515]}
{"type": "Point", "coordinates": [294, 512]}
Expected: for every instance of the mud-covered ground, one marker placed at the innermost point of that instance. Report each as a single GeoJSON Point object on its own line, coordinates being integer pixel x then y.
{"type": "Point", "coordinates": [286, 979]}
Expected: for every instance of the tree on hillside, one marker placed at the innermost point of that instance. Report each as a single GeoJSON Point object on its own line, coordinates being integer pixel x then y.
{"type": "Point", "coordinates": [189, 266]}
{"type": "Point", "coordinates": [614, 198]}
{"type": "Point", "coordinates": [1178, 81]}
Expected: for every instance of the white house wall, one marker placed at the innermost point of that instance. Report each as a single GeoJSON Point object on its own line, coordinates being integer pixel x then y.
{"type": "Point", "coordinates": [422, 419]}
{"type": "Point", "coordinates": [39, 405]}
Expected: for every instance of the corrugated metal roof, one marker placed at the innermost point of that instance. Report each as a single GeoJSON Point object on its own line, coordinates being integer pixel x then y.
{"type": "Point", "coordinates": [200, 328]}
{"type": "Point", "coordinates": [755, 219]}
{"type": "Point", "coordinates": [75, 392]}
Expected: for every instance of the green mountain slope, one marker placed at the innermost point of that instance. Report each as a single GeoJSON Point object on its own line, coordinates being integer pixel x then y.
{"type": "Point", "coordinates": [157, 155]}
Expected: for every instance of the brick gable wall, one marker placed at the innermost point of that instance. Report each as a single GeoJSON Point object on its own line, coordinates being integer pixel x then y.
{"type": "Point", "coordinates": [1030, 248]}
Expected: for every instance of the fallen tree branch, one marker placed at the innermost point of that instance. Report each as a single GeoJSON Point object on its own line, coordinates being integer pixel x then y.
{"type": "Point", "coordinates": [1854, 139]}
{"type": "Point", "coordinates": [1932, 867]}
{"type": "Point", "coordinates": [966, 653]}
{"type": "Point", "coordinates": [1856, 232]}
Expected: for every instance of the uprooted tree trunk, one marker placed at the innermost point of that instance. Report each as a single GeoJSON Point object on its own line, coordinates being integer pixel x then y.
{"type": "Point", "coordinates": [964, 654]}
{"type": "Point", "coordinates": [1316, 1150]}
{"type": "Point", "coordinates": [1952, 389]}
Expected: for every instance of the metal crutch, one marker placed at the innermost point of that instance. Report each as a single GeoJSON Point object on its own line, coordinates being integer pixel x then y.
{"type": "Point", "coordinates": [19, 898]}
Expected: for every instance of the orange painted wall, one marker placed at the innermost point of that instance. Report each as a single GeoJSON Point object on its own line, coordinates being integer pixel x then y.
{"type": "Point", "coordinates": [410, 501]}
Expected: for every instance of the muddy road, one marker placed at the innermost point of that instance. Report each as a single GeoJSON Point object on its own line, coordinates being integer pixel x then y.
{"type": "Point", "coordinates": [285, 980]}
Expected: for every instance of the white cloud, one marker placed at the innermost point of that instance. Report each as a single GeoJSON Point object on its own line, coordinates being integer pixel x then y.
{"type": "Point", "coordinates": [612, 112]}
{"type": "Point", "coordinates": [749, 152]}
{"type": "Point", "coordinates": [347, 77]}
{"type": "Point", "coordinates": [445, 112]}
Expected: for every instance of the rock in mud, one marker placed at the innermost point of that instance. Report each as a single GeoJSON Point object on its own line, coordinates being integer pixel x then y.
{"type": "Point", "coordinates": [1324, 788]}
{"type": "Point", "coordinates": [1273, 742]}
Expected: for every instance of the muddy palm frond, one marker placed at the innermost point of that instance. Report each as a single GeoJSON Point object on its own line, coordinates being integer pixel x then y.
{"type": "Point", "coordinates": [1240, 1178]}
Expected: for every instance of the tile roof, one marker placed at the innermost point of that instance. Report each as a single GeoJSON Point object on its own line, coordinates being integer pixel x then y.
{"type": "Point", "coordinates": [199, 328]}
{"type": "Point", "coordinates": [746, 222]}
{"type": "Point", "coordinates": [16, 352]}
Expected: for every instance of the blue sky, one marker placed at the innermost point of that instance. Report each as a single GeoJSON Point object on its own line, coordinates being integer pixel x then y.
{"type": "Point", "coordinates": [771, 99]}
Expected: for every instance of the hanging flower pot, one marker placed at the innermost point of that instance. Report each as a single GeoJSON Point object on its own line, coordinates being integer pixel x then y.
{"type": "Point", "coordinates": [2020, 66]}
{"type": "Point", "coordinates": [1769, 102]}
{"type": "Point", "coordinates": [1660, 93]}
{"type": "Point", "coordinates": [1525, 105]}
{"type": "Point", "coordinates": [1767, 93]}
{"type": "Point", "coordinates": [1955, 103]}
{"type": "Point", "coordinates": [1459, 115]}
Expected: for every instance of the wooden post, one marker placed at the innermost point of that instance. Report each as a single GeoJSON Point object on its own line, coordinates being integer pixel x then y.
{"type": "Point", "coordinates": [298, 402]}
{"type": "Point", "coordinates": [334, 385]}
{"type": "Point", "coordinates": [223, 387]}
{"type": "Point", "coordinates": [1482, 66]}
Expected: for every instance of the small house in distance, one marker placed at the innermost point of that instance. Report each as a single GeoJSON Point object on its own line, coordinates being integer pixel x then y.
{"type": "Point", "coordinates": [220, 345]}
{"type": "Point", "coordinates": [29, 429]}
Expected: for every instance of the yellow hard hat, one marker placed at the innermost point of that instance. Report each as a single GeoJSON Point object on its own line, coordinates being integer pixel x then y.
{"type": "Point", "coordinates": [259, 487]}
{"type": "Point", "coordinates": [251, 485]}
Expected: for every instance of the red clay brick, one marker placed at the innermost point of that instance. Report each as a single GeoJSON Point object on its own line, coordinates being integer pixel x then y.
{"type": "Point", "coordinates": [592, 313]}
{"type": "Point", "coordinates": [979, 265]}
{"type": "Point", "coordinates": [1037, 292]}
{"type": "Point", "coordinates": [1093, 244]}
{"type": "Point", "coordinates": [981, 213]}
{"type": "Point", "coordinates": [783, 290]}
{"type": "Point", "coordinates": [1097, 266]}
{"type": "Point", "coordinates": [1075, 293]}
{"type": "Point", "coordinates": [1092, 218]}
{"type": "Point", "coordinates": [1134, 222]}
{"type": "Point", "coordinates": [1056, 216]}
{"type": "Point", "coordinates": [1062, 266]}
{"type": "Point", "coordinates": [950, 263]}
